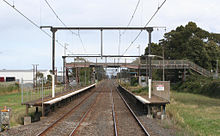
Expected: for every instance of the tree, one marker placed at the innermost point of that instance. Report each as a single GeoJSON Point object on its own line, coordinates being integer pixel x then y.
{"type": "Point", "coordinates": [40, 75]}
{"type": "Point", "coordinates": [189, 42]}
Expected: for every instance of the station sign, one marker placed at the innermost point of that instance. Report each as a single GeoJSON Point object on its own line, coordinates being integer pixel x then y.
{"type": "Point", "coordinates": [160, 87]}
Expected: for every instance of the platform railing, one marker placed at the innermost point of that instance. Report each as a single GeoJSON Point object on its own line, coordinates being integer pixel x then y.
{"type": "Point", "coordinates": [42, 90]}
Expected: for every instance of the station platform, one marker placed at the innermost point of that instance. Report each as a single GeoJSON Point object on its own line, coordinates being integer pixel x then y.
{"type": "Point", "coordinates": [61, 96]}
{"type": "Point", "coordinates": [154, 100]}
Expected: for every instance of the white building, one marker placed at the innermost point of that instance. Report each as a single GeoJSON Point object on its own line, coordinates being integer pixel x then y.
{"type": "Point", "coordinates": [17, 75]}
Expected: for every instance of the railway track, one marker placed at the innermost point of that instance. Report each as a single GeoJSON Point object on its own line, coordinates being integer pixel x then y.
{"type": "Point", "coordinates": [83, 117]}
{"type": "Point", "coordinates": [48, 129]}
{"type": "Point", "coordinates": [132, 113]}
{"type": "Point", "coordinates": [125, 122]}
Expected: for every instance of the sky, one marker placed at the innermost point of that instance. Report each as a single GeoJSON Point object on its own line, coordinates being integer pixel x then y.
{"type": "Point", "coordinates": [22, 44]}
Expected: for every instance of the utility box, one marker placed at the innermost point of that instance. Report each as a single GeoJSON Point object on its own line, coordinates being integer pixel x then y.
{"type": "Point", "coordinates": [4, 119]}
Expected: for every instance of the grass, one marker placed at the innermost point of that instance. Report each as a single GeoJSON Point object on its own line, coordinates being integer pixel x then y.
{"type": "Point", "coordinates": [139, 90]}
{"type": "Point", "coordinates": [10, 96]}
{"type": "Point", "coordinates": [195, 114]}
{"type": "Point", "coordinates": [191, 114]}
{"type": "Point", "coordinates": [13, 101]}
{"type": "Point", "coordinates": [9, 87]}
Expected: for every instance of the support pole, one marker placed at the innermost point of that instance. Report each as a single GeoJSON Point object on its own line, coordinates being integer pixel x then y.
{"type": "Point", "coordinates": [120, 77]}
{"type": "Point", "coordinates": [163, 116]}
{"type": "Point", "coordinates": [163, 66]}
{"type": "Point", "coordinates": [96, 71]}
{"type": "Point", "coordinates": [101, 43]}
{"type": "Point", "coordinates": [36, 76]}
{"type": "Point", "coordinates": [216, 68]}
{"type": "Point", "coordinates": [33, 75]}
{"type": "Point", "coordinates": [149, 30]}
{"type": "Point", "coordinates": [149, 112]}
{"type": "Point", "coordinates": [146, 79]}
{"type": "Point", "coordinates": [149, 88]}
{"type": "Point", "coordinates": [42, 97]}
{"type": "Point", "coordinates": [22, 91]}
{"type": "Point", "coordinates": [53, 86]}
{"type": "Point", "coordinates": [64, 69]}
{"type": "Point", "coordinates": [53, 49]}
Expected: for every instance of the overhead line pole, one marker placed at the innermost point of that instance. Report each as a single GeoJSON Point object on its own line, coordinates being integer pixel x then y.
{"type": "Point", "coordinates": [101, 43]}
{"type": "Point", "coordinates": [55, 29]}
{"type": "Point", "coordinates": [149, 30]}
{"type": "Point", "coordinates": [53, 49]}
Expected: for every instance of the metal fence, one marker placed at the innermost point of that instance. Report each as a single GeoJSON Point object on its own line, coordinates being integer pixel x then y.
{"type": "Point", "coordinates": [41, 90]}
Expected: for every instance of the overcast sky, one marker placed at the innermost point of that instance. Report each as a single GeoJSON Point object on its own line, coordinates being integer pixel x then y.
{"type": "Point", "coordinates": [22, 44]}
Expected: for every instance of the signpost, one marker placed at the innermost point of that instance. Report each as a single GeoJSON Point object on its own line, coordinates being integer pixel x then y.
{"type": "Point", "coordinates": [160, 87]}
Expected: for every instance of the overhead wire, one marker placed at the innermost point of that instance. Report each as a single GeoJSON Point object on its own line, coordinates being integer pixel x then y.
{"type": "Point", "coordinates": [81, 41]}
{"type": "Point", "coordinates": [32, 22]}
{"type": "Point", "coordinates": [159, 7]}
{"type": "Point", "coordinates": [48, 4]}
{"type": "Point", "coordinates": [136, 7]}
{"type": "Point", "coordinates": [132, 17]}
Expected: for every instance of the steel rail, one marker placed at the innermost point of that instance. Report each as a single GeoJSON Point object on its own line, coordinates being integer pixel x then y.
{"type": "Point", "coordinates": [65, 115]}
{"type": "Point", "coordinates": [132, 112]}
{"type": "Point", "coordinates": [113, 115]}
{"type": "Point", "coordinates": [83, 117]}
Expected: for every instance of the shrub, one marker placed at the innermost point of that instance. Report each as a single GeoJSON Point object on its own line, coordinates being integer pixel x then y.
{"type": "Point", "coordinates": [199, 85]}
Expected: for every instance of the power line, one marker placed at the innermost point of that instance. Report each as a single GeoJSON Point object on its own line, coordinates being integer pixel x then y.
{"type": "Point", "coordinates": [58, 16]}
{"type": "Point", "coordinates": [48, 4]}
{"type": "Point", "coordinates": [81, 41]}
{"type": "Point", "coordinates": [120, 34]}
{"type": "Point", "coordinates": [32, 22]}
{"type": "Point", "coordinates": [132, 15]}
{"type": "Point", "coordinates": [145, 26]}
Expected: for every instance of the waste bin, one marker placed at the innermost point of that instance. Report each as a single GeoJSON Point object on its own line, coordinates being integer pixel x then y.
{"type": "Point", "coordinates": [4, 119]}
